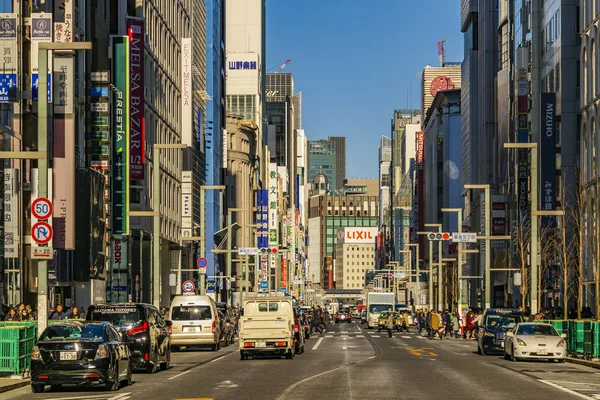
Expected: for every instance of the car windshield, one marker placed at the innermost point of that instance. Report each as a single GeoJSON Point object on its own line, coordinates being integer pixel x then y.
{"type": "Point", "coordinates": [502, 321]}
{"type": "Point", "coordinates": [191, 313]}
{"type": "Point", "coordinates": [377, 308]}
{"type": "Point", "coordinates": [74, 332]}
{"type": "Point", "coordinates": [115, 315]}
{"type": "Point", "coordinates": [537, 329]}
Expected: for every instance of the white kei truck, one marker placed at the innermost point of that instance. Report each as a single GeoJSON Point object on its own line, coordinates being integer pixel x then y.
{"type": "Point", "coordinates": [376, 303]}
{"type": "Point", "coordinates": [266, 326]}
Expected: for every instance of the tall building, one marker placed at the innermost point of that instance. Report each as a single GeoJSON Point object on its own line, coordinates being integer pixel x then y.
{"type": "Point", "coordinates": [322, 159]}
{"type": "Point", "coordinates": [340, 159]}
{"type": "Point", "coordinates": [355, 256]}
{"type": "Point", "coordinates": [215, 126]}
{"type": "Point", "coordinates": [434, 79]}
{"type": "Point", "coordinates": [385, 173]}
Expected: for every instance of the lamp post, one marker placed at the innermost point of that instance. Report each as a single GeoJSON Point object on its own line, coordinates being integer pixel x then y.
{"type": "Point", "coordinates": [417, 268]}
{"type": "Point", "coordinates": [430, 280]}
{"type": "Point", "coordinates": [534, 256]}
{"type": "Point", "coordinates": [460, 245]}
{"type": "Point", "coordinates": [203, 229]}
{"type": "Point", "coordinates": [439, 263]}
{"type": "Point", "coordinates": [41, 155]}
{"type": "Point", "coordinates": [488, 230]}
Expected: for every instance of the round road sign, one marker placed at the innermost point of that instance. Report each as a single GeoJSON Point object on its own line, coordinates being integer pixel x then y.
{"type": "Point", "coordinates": [202, 262]}
{"type": "Point", "coordinates": [188, 286]}
{"type": "Point", "coordinates": [41, 208]}
{"type": "Point", "coordinates": [41, 232]}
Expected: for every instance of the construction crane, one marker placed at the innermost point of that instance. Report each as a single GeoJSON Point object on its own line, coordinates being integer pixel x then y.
{"type": "Point", "coordinates": [281, 67]}
{"type": "Point", "coordinates": [442, 51]}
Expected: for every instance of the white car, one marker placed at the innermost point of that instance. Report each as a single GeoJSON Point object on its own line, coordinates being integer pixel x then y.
{"type": "Point", "coordinates": [531, 340]}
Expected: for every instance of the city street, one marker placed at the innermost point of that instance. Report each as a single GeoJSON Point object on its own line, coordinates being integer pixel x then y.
{"type": "Point", "coordinates": [351, 362]}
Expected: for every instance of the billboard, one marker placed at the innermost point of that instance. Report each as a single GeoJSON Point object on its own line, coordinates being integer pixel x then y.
{"type": "Point", "coordinates": [360, 235]}
{"type": "Point", "coordinates": [421, 191]}
{"type": "Point", "coordinates": [120, 136]}
{"type": "Point", "coordinates": [135, 29]}
{"type": "Point", "coordinates": [63, 85]}
{"type": "Point", "coordinates": [11, 213]}
{"type": "Point", "coordinates": [8, 27]}
{"type": "Point", "coordinates": [64, 183]}
{"type": "Point", "coordinates": [186, 92]}
{"type": "Point", "coordinates": [548, 150]}
{"type": "Point", "coordinates": [63, 30]}
{"type": "Point", "coordinates": [273, 209]}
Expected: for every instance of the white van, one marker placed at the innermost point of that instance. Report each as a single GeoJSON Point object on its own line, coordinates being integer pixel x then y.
{"type": "Point", "coordinates": [195, 322]}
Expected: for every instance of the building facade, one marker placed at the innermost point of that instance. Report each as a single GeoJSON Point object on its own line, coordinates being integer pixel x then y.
{"type": "Point", "coordinates": [340, 160]}
{"type": "Point", "coordinates": [322, 159]}
{"type": "Point", "coordinates": [355, 256]}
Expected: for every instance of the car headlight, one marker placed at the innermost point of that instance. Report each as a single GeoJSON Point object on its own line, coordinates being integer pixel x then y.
{"type": "Point", "coordinates": [561, 343]}
{"type": "Point", "coordinates": [521, 343]}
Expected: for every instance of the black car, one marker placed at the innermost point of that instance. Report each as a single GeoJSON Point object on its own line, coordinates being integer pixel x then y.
{"type": "Point", "coordinates": [76, 353]}
{"type": "Point", "coordinates": [144, 330]}
{"type": "Point", "coordinates": [227, 323]}
{"type": "Point", "coordinates": [495, 322]}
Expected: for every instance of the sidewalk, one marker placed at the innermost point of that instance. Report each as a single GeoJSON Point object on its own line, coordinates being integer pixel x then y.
{"type": "Point", "coordinates": [580, 361]}
{"type": "Point", "coordinates": [7, 383]}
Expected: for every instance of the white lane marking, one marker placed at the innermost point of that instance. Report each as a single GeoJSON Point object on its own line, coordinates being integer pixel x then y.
{"type": "Point", "coordinates": [316, 346]}
{"type": "Point", "coordinates": [421, 337]}
{"type": "Point", "coordinates": [406, 337]}
{"type": "Point", "coordinates": [178, 375]}
{"type": "Point", "coordinates": [217, 359]}
{"type": "Point", "coordinates": [344, 348]}
{"type": "Point", "coordinates": [358, 327]}
{"type": "Point", "coordinates": [375, 336]}
{"type": "Point", "coordinates": [95, 396]}
{"type": "Point", "coordinates": [574, 393]}
{"type": "Point", "coordinates": [330, 333]}
{"type": "Point", "coordinates": [122, 396]}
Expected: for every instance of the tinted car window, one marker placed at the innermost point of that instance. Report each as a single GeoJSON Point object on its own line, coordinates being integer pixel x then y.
{"type": "Point", "coordinates": [191, 313]}
{"type": "Point", "coordinates": [115, 315]}
{"type": "Point", "coordinates": [74, 332]}
{"type": "Point", "coordinates": [537, 330]}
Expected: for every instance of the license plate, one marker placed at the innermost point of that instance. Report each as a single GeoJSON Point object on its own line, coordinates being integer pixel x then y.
{"type": "Point", "coordinates": [261, 344]}
{"type": "Point", "coordinates": [542, 351]}
{"type": "Point", "coordinates": [191, 329]}
{"type": "Point", "coordinates": [68, 355]}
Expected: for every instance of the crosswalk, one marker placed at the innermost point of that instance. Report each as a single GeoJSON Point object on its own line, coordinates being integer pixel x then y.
{"type": "Point", "coordinates": [373, 334]}
{"type": "Point", "coordinates": [584, 390]}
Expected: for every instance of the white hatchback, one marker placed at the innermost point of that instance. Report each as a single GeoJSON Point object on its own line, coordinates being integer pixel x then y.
{"type": "Point", "coordinates": [532, 340]}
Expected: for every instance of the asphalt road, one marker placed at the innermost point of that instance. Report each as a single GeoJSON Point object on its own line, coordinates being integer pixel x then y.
{"type": "Point", "coordinates": [351, 362]}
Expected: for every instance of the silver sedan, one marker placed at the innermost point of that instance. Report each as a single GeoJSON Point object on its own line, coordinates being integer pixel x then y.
{"type": "Point", "coordinates": [531, 340]}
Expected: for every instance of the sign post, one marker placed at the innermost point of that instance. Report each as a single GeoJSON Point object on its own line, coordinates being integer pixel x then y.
{"type": "Point", "coordinates": [41, 231]}
{"type": "Point", "coordinates": [202, 264]}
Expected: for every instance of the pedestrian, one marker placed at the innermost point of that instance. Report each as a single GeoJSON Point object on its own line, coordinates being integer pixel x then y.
{"type": "Point", "coordinates": [436, 323]}
{"type": "Point", "coordinates": [456, 326]}
{"type": "Point", "coordinates": [405, 321]}
{"type": "Point", "coordinates": [12, 315]}
{"type": "Point", "coordinates": [73, 313]}
{"type": "Point", "coordinates": [31, 312]}
{"type": "Point", "coordinates": [81, 313]}
{"type": "Point", "coordinates": [389, 323]}
{"type": "Point", "coordinates": [58, 313]}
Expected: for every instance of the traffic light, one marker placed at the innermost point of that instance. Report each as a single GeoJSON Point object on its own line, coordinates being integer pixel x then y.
{"type": "Point", "coordinates": [439, 236]}
{"type": "Point", "coordinates": [267, 250]}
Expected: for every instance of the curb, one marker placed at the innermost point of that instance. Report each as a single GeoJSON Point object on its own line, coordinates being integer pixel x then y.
{"type": "Point", "coordinates": [13, 386]}
{"type": "Point", "coordinates": [591, 364]}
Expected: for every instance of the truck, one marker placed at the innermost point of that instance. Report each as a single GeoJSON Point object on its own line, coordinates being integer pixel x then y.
{"type": "Point", "coordinates": [266, 326]}
{"type": "Point", "coordinates": [376, 303]}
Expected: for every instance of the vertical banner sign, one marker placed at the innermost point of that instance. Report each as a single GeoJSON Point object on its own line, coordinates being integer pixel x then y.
{"type": "Point", "coordinates": [135, 29]}
{"type": "Point", "coordinates": [522, 156]}
{"type": "Point", "coordinates": [273, 209]}
{"type": "Point", "coordinates": [119, 269]}
{"type": "Point", "coordinates": [64, 177]}
{"type": "Point", "coordinates": [548, 149]}
{"type": "Point", "coordinates": [63, 12]}
{"type": "Point", "coordinates": [11, 213]}
{"type": "Point", "coordinates": [63, 85]}
{"type": "Point", "coordinates": [41, 31]}
{"type": "Point", "coordinates": [258, 217]}
{"type": "Point", "coordinates": [120, 139]}
{"type": "Point", "coordinates": [186, 203]}
{"type": "Point", "coordinates": [186, 91]}
{"type": "Point", "coordinates": [284, 272]}
{"type": "Point", "coordinates": [265, 217]}
{"type": "Point", "coordinates": [420, 189]}
{"type": "Point", "coordinates": [9, 61]}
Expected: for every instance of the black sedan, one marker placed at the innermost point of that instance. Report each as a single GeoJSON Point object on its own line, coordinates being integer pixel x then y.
{"type": "Point", "coordinates": [80, 354]}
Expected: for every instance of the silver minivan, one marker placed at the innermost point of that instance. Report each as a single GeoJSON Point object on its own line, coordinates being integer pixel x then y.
{"type": "Point", "coordinates": [195, 322]}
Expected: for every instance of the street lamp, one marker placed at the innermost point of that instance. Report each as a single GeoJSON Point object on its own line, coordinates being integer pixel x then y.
{"type": "Point", "coordinates": [439, 263]}
{"type": "Point", "coordinates": [203, 229]}
{"type": "Point", "coordinates": [417, 268]}
{"type": "Point", "coordinates": [488, 230]}
{"type": "Point", "coordinates": [459, 215]}
{"type": "Point", "coordinates": [430, 280]}
{"type": "Point", "coordinates": [534, 256]}
{"type": "Point", "coordinates": [41, 155]}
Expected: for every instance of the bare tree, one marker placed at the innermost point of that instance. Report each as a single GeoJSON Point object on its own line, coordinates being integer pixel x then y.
{"type": "Point", "coordinates": [523, 240]}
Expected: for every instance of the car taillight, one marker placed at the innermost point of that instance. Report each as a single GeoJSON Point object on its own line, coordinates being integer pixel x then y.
{"type": "Point", "coordinates": [248, 344]}
{"type": "Point", "coordinates": [138, 329]}
{"type": "Point", "coordinates": [296, 328]}
{"type": "Point", "coordinates": [35, 353]}
{"type": "Point", "coordinates": [214, 327]}
{"type": "Point", "coordinates": [102, 352]}
{"type": "Point", "coordinates": [281, 344]}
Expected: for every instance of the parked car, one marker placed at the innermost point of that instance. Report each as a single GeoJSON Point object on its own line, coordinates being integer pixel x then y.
{"type": "Point", "coordinates": [196, 322]}
{"type": "Point", "coordinates": [228, 322]}
{"type": "Point", "coordinates": [363, 317]}
{"type": "Point", "coordinates": [76, 353]}
{"type": "Point", "coordinates": [143, 328]}
{"type": "Point", "coordinates": [531, 340]}
{"type": "Point", "coordinates": [343, 316]}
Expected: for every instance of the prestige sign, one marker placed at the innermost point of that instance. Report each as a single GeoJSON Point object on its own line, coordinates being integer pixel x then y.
{"type": "Point", "coordinates": [135, 29]}
{"type": "Point", "coordinates": [360, 235]}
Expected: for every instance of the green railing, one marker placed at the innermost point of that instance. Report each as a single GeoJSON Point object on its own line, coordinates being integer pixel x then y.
{"type": "Point", "coordinates": [16, 343]}
{"type": "Point", "coordinates": [583, 336]}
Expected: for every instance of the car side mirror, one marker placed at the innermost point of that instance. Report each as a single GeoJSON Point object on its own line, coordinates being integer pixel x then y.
{"type": "Point", "coordinates": [510, 334]}
{"type": "Point", "coordinates": [563, 335]}
{"type": "Point", "coordinates": [169, 323]}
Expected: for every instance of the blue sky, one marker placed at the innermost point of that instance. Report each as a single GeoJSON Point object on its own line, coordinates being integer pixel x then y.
{"type": "Point", "coordinates": [354, 61]}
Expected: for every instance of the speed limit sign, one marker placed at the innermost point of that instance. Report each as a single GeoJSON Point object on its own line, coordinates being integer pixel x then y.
{"type": "Point", "coordinates": [188, 286]}
{"type": "Point", "coordinates": [41, 208]}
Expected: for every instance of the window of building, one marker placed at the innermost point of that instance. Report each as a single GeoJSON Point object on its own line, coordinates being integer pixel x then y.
{"type": "Point", "coordinates": [557, 76]}
{"type": "Point", "coordinates": [557, 24]}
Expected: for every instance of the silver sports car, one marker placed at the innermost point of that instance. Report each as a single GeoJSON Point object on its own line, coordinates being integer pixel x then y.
{"type": "Point", "coordinates": [531, 340]}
